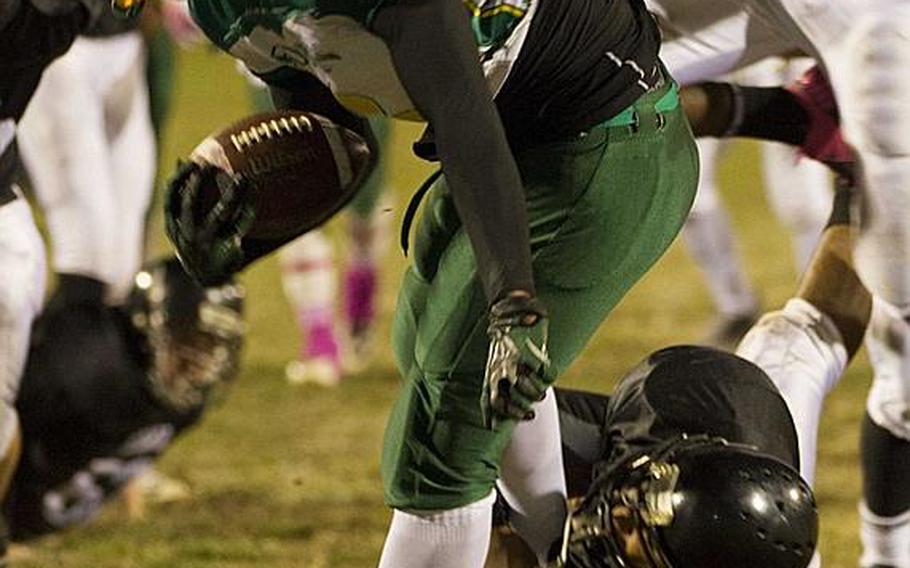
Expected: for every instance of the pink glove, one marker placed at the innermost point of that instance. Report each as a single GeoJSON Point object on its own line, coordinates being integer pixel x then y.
{"type": "Point", "coordinates": [824, 141]}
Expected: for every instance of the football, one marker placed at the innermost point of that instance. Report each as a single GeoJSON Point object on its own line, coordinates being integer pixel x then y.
{"type": "Point", "coordinates": [301, 169]}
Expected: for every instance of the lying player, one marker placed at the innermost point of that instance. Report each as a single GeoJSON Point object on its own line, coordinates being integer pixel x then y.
{"type": "Point", "coordinates": [809, 116]}
{"type": "Point", "coordinates": [694, 457]}
{"type": "Point", "coordinates": [32, 34]}
{"type": "Point", "coordinates": [556, 126]}
{"type": "Point", "coordinates": [106, 390]}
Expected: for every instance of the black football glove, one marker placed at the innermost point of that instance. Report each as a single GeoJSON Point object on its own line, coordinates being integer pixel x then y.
{"type": "Point", "coordinates": [208, 243]}
{"type": "Point", "coordinates": [518, 366]}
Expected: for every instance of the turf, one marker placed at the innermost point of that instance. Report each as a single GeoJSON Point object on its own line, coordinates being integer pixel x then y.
{"type": "Point", "coordinates": [289, 476]}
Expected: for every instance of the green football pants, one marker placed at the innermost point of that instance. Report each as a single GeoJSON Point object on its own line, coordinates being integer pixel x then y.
{"type": "Point", "coordinates": [603, 207]}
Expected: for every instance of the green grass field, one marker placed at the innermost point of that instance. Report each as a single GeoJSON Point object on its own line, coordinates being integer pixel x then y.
{"type": "Point", "coordinates": [289, 476]}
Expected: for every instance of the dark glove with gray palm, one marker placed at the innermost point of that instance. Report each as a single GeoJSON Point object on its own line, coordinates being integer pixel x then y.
{"type": "Point", "coordinates": [518, 367]}
{"type": "Point", "coordinates": [208, 239]}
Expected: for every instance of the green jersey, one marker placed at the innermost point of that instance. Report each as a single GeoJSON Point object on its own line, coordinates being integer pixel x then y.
{"type": "Point", "coordinates": [331, 39]}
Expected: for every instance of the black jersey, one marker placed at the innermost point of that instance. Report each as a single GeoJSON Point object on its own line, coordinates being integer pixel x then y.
{"type": "Point", "coordinates": [31, 39]}
{"type": "Point", "coordinates": [89, 421]}
{"type": "Point", "coordinates": [583, 62]}
{"type": "Point", "coordinates": [32, 34]}
{"type": "Point", "coordinates": [678, 390]}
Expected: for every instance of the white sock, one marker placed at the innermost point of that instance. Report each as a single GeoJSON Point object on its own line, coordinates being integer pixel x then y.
{"type": "Point", "coordinates": [533, 480]}
{"type": "Point", "coordinates": [454, 538]}
{"type": "Point", "coordinates": [886, 540]}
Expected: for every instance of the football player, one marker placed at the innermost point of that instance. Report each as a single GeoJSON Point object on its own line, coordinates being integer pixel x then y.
{"type": "Point", "coordinates": [309, 276]}
{"type": "Point", "coordinates": [32, 34]}
{"type": "Point", "coordinates": [106, 390]}
{"type": "Point", "coordinates": [885, 522]}
{"type": "Point", "coordinates": [568, 170]}
{"type": "Point", "coordinates": [694, 459]}
{"type": "Point", "coordinates": [862, 46]}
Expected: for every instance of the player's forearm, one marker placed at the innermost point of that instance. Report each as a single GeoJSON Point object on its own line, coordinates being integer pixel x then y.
{"type": "Point", "coordinates": [436, 60]}
{"type": "Point", "coordinates": [766, 113]}
{"type": "Point", "coordinates": [831, 283]}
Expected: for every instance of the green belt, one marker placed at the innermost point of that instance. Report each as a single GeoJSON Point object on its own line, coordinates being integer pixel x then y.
{"type": "Point", "coordinates": [628, 117]}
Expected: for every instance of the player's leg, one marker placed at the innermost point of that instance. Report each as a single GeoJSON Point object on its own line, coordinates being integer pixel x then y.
{"type": "Point", "coordinates": [21, 296]}
{"type": "Point", "coordinates": [310, 285]}
{"type": "Point", "coordinates": [866, 49]}
{"type": "Point", "coordinates": [159, 76]}
{"type": "Point", "coordinates": [62, 151]}
{"type": "Point", "coordinates": [533, 479]}
{"type": "Point", "coordinates": [368, 231]}
{"type": "Point", "coordinates": [710, 240]}
{"type": "Point", "coordinates": [805, 347]}
{"type": "Point", "coordinates": [885, 510]}
{"type": "Point", "coordinates": [309, 280]}
{"type": "Point", "coordinates": [440, 462]}
{"type": "Point", "coordinates": [133, 159]}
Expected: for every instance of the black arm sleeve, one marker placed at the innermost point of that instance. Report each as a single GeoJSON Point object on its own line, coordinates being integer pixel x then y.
{"type": "Point", "coordinates": [436, 59]}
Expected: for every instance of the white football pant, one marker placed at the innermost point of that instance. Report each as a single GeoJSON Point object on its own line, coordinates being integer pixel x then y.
{"type": "Point", "coordinates": [88, 144]}
{"type": "Point", "coordinates": [22, 262]}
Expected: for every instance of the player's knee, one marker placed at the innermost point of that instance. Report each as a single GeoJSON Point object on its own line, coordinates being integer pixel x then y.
{"type": "Point", "coordinates": [879, 54]}
{"type": "Point", "coordinates": [888, 341]}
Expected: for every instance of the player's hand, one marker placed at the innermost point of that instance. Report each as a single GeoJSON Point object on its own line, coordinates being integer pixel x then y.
{"type": "Point", "coordinates": [824, 140]}
{"type": "Point", "coordinates": [517, 373]}
{"type": "Point", "coordinates": [208, 240]}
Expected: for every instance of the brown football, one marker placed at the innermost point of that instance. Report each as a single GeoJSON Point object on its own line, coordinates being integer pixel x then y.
{"type": "Point", "coordinates": [301, 167]}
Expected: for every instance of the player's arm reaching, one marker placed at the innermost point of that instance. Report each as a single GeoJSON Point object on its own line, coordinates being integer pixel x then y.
{"type": "Point", "coordinates": [802, 114]}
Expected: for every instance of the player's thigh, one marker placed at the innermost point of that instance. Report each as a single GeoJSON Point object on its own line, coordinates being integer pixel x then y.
{"type": "Point", "coordinates": [21, 294]}
{"type": "Point", "coordinates": [369, 196]}
{"type": "Point", "coordinates": [632, 207]}
{"type": "Point", "coordinates": [437, 452]}
{"type": "Point", "coordinates": [888, 342]}
{"type": "Point", "coordinates": [868, 74]}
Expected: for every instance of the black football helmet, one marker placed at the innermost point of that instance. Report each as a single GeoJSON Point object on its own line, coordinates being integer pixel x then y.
{"type": "Point", "coordinates": [695, 502]}
{"type": "Point", "coordinates": [192, 335]}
